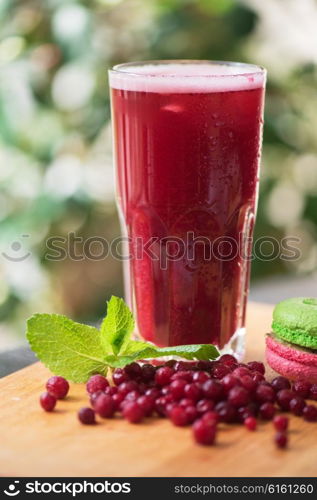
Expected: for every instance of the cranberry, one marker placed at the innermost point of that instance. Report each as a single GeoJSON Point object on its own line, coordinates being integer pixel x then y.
{"type": "Point", "coordinates": [250, 423]}
{"type": "Point", "coordinates": [171, 363]}
{"type": "Point", "coordinates": [204, 365]}
{"type": "Point", "coordinates": [178, 416]}
{"type": "Point", "coordinates": [241, 371]}
{"type": "Point", "coordinates": [279, 383]}
{"type": "Point", "coordinates": [119, 376]}
{"type": "Point", "coordinates": [284, 397]}
{"type": "Point", "coordinates": [57, 387]}
{"type": "Point", "coordinates": [280, 423]}
{"type": "Point", "coordinates": [187, 402]}
{"type": "Point", "coordinates": [213, 389]}
{"type": "Point", "coordinates": [256, 366]}
{"type": "Point", "coordinates": [111, 390]}
{"type": "Point", "coordinates": [227, 412]}
{"type": "Point", "coordinates": [176, 388]}
{"type": "Point", "coordinates": [230, 381]}
{"type": "Point", "coordinates": [204, 405]}
{"type": "Point", "coordinates": [117, 400]}
{"type": "Point", "coordinates": [313, 392]}
{"type": "Point", "coordinates": [201, 377]}
{"type": "Point", "coordinates": [153, 392]}
{"type": "Point", "coordinates": [132, 396]}
{"type": "Point", "coordinates": [166, 390]}
{"type": "Point", "coordinates": [280, 439]}
{"type": "Point", "coordinates": [310, 413]}
{"type": "Point", "coordinates": [133, 412]}
{"type": "Point", "coordinates": [302, 388]}
{"type": "Point", "coordinates": [94, 396]}
{"type": "Point", "coordinates": [228, 359]}
{"type": "Point", "coordinates": [148, 372]}
{"type": "Point", "coordinates": [146, 404]}
{"type": "Point", "coordinates": [265, 394]}
{"type": "Point", "coordinates": [254, 408]}
{"type": "Point", "coordinates": [220, 370]}
{"type": "Point", "coordinates": [133, 370]}
{"type": "Point", "coordinates": [160, 405]}
{"type": "Point", "coordinates": [184, 375]}
{"type": "Point", "coordinates": [163, 375]}
{"type": "Point", "coordinates": [267, 411]}
{"type": "Point", "coordinates": [243, 413]}
{"type": "Point", "coordinates": [182, 366]}
{"type": "Point", "coordinates": [47, 401]}
{"type": "Point", "coordinates": [127, 387]}
{"type": "Point", "coordinates": [193, 391]}
{"type": "Point", "coordinates": [210, 416]}
{"type": "Point", "coordinates": [296, 405]}
{"type": "Point", "coordinates": [86, 416]}
{"type": "Point", "coordinates": [203, 432]}
{"type": "Point", "coordinates": [104, 406]}
{"type": "Point", "coordinates": [238, 396]}
{"type": "Point", "coordinates": [248, 383]}
{"type": "Point", "coordinates": [192, 413]}
{"type": "Point", "coordinates": [96, 383]}
{"type": "Point", "coordinates": [257, 377]}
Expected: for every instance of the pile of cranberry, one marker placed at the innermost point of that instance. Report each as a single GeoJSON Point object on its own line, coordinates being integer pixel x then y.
{"type": "Point", "coordinates": [201, 394]}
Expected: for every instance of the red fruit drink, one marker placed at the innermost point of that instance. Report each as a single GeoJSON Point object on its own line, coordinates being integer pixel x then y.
{"type": "Point", "coordinates": [187, 141]}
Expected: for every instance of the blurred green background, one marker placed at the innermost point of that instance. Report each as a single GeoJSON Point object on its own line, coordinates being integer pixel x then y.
{"type": "Point", "coordinates": [55, 142]}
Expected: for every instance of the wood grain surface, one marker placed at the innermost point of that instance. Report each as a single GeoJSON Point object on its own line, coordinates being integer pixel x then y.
{"type": "Point", "coordinates": [34, 443]}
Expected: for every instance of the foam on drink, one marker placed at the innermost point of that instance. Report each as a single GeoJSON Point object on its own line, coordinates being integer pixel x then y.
{"type": "Point", "coordinates": [187, 77]}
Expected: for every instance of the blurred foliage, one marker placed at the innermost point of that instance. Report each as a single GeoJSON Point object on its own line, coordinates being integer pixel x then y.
{"type": "Point", "coordinates": [55, 154]}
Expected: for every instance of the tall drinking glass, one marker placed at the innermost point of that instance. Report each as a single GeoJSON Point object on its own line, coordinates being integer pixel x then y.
{"type": "Point", "coordinates": [187, 143]}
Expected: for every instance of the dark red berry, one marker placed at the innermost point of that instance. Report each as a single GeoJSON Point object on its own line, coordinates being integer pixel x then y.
{"type": "Point", "coordinates": [213, 389]}
{"type": "Point", "coordinates": [127, 387]}
{"type": "Point", "coordinates": [94, 396]}
{"type": "Point", "coordinates": [153, 392]}
{"type": "Point", "coordinates": [86, 416]}
{"type": "Point", "coordinates": [187, 402]}
{"type": "Point", "coordinates": [48, 401]}
{"type": "Point", "coordinates": [182, 366]}
{"type": "Point", "coordinates": [163, 375]}
{"type": "Point", "coordinates": [133, 412]}
{"type": "Point", "coordinates": [227, 412]}
{"type": "Point", "coordinates": [256, 366]}
{"type": "Point", "coordinates": [96, 383]}
{"type": "Point", "coordinates": [313, 392]}
{"type": "Point", "coordinates": [192, 413]}
{"type": "Point", "coordinates": [243, 413]}
{"type": "Point", "coordinates": [238, 396]}
{"type": "Point", "coordinates": [160, 405]}
{"type": "Point", "coordinates": [229, 381]}
{"type": "Point", "coordinates": [279, 383]}
{"type": "Point", "coordinates": [265, 394]}
{"type": "Point", "coordinates": [58, 387]}
{"type": "Point", "coordinates": [148, 372]}
{"type": "Point", "coordinates": [210, 416]}
{"type": "Point", "coordinates": [203, 432]}
{"type": "Point", "coordinates": [281, 439]}
{"type": "Point", "coordinates": [193, 391]}
{"type": "Point", "coordinates": [228, 359]}
{"type": "Point", "coordinates": [133, 370]}
{"type": "Point", "coordinates": [248, 383]}
{"type": "Point", "coordinates": [296, 405]}
{"type": "Point", "coordinates": [119, 376]}
{"type": "Point", "coordinates": [184, 375]}
{"type": "Point", "coordinates": [280, 423]}
{"type": "Point", "coordinates": [204, 405]}
{"type": "Point", "coordinates": [178, 416]}
{"type": "Point", "coordinates": [200, 377]}
{"type": "Point", "coordinates": [241, 371]}
{"type": "Point", "coordinates": [146, 404]}
{"type": "Point", "coordinates": [111, 390]}
{"type": "Point", "coordinates": [204, 365]}
{"type": "Point", "coordinates": [310, 413]}
{"type": "Point", "coordinates": [302, 388]}
{"type": "Point", "coordinates": [250, 423]}
{"type": "Point", "coordinates": [132, 396]}
{"type": "Point", "coordinates": [104, 406]}
{"type": "Point", "coordinates": [176, 388]}
{"type": "Point", "coordinates": [171, 363]}
{"type": "Point", "coordinates": [284, 397]}
{"type": "Point", "coordinates": [267, 411]}
{"type": "Point", "coordinates": [220, 370]}
{"type": "Point", "coordinates": [257, 377]}
{"type": "Point", "coordinates": [117, 400]}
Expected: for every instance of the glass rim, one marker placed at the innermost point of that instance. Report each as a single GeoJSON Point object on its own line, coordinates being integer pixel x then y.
{"type": "Point", "coordinates": [123, 68]}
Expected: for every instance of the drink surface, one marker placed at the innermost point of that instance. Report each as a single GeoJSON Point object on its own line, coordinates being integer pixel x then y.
{"type": "Point", "coordinates": [187, 152]}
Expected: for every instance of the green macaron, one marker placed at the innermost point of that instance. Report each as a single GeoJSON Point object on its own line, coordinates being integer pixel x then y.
{"type": "Point", "coordinates": [295, 320]}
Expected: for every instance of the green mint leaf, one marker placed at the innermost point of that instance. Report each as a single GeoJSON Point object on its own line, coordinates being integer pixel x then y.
{"type": "Point", "coordinates": [69, 349]}
{"type": "Point", "coordinates": [118, 325]}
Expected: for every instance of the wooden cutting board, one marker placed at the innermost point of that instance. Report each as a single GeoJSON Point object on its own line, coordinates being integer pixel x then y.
{"type": "Point", "coordinates": [34, 443]}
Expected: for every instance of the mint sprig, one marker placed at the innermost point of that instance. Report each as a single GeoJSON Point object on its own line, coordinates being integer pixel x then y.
{"type": "Point", "coordinates": [76, 351]}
